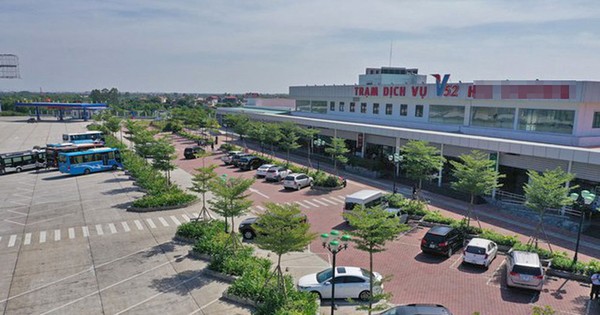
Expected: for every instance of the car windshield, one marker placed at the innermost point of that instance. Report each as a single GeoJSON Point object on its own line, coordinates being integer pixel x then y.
{"type": "Point", "coordinates": [524, 270]}
{"type": "Point", "coordinates": [365, 273]}
{"type": "Point", "coordinates": [324, 275]}
{"type": "Point", "coordinates": [475, 250]}
{"type": "Point", "coordinates": [434, 238]}
{"type": "Point", "coordinates": [289, 178]}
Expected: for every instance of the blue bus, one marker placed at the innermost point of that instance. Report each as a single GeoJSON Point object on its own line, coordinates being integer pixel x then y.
{"type": "Point", "coordinates": [85, 162]}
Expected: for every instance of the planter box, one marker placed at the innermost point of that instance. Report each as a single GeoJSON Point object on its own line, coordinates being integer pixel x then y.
{"type": "Point", "coordinates": [220, 276]}
{"type": "Point", "coordinates": [151, 209]}
{"type": "Point", "coordinates": [185, 240]}
{"type": "Point", "coordinates": [237, 299]}
{"type": "Point", "coordinates": [431, 224]}
{"type": "Point", "coordinates": [504, 248]}
{"type": "Point", "coordinates": [194, 254]}
{"type": "Point", "coordinates": [567, 275]}
{"type": "Point", "coordinates": [322, 188]}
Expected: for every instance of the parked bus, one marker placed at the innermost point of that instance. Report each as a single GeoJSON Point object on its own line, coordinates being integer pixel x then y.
{"type": "Point", "coordinates": [83, 137]}
{"type": "Point", "coordinates": [22, 161]}
{"type": "Point", "coordinates": [53, 149]}
{"type": "Point", "coordinates": [93, 160]}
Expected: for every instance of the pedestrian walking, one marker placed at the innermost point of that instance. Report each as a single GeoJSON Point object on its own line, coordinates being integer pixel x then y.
{"type": "Point", "coordinates": [414, 191]}
{"type": "Point", "coordinates": [595, 286]}
{"type": "Point", "coordinates": [212, 146]}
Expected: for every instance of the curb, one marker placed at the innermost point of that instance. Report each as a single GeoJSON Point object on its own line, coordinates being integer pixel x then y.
{"type": "Point", "coordinates": [185, 240]}
{"type": "Point", "coordinates": [567, 275]}
{"type": "Point", "coordinates": [194, 254]}
{"type": "Point", "coordinates": [219, 275]}
{"type": "Point", "coordinates": [323, 188]}
{"type": "Point", "coordinates": [151, 209]}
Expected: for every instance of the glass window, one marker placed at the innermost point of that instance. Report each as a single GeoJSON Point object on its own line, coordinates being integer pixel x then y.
{"type": "Point", "coordinates": [444, 114]}
{"type": "Point", "coordinates": [596, 123]}
{"type": "Point", "coordinates": [303, 106]}
{"type": "Point", "coordinates": [8, 162]}
{"type": "Point", "coordinates": [419, 111]}
{"type": "Point", "coordinates": [363, 107]}
{"type": "Point", "coordinates": [546, 120]}
{"type": "Point", "coordinates": [376, 108]}
{"type": "Point", "coordinates": [88, 158]}
{"type": "Point", "coordinates": [352, 106]}
{"type": "Point", "coordinates": [492, 117]}
{"type": "Point", "coordinates": [111, 155]}
{"type": "Point", "coordinates": [341, 106]}
{"type": "Point", "coordinates": [403, 109]}
{"type": "Point", "coordinates": [27, 158]}
{"type": "Point", "coordinates": [332, 106]}
{"type": "Point", "coordinates": [319, 107]}
{"type": "Point", "coordinates": [388, 109]}
{"type": "Point", "coordinates": [17, 159]}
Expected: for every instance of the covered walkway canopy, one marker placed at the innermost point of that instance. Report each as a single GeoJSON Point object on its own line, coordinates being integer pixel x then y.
{"type": "Point", "coordinates": [85, 107]}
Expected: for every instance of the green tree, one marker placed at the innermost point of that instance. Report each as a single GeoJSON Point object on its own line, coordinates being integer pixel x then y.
{"type": "Point", "coordinates": [163, 153]}
{"type": "Point", "coordinates": [547, 191]}
{"type": "Point", "coordinates": [372, 229]}
{"type": "Point", "coordinates": [290, 141]}
{"type": "Point", "coordinates": [113, 124]}
{"type": "Point", "coordinates": [475, 175]}
{"type": "Point", "coordinates": [308, 134]}
{"type": "Point", "coordinates": [230, 200]}
{"type": "Point", "coordinates": [200, 184]}
{"type": "Point", "coordinates": [274, 132]}
{"type": "Point", "coordinates": [420, 161]}
{"type": "Point", "coordinates": [338, 151]}
{"type": "Point", "coordinates": [281, 230]}
{"type": "Point", "coordinates": [240, 125]}
{"type": "Point", "coordinates": [258, 132]}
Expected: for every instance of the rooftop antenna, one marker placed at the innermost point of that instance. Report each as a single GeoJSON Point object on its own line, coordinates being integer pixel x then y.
{"type": "Point", "coordinates": [391, 46]}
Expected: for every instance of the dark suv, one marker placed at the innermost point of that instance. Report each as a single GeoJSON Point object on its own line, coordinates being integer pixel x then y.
{"type": "Point", "coordinates": [190, 152]}
{"type": "Point", "coordinates": [443, 240]}
{"type": "Point", "coordinates": [247, 230]}
{"type": "Point", "coordinates": [418, 309]}
{"type": "Point", "coordinates": [235, 159]}
{"type": "Point", "coordinates": [248, 163]}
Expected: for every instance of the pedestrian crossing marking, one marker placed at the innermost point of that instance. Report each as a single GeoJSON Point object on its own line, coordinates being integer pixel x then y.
{"type": "Point", "coordinates": [195, 215]}
{"type": "Point", "coordinates": [86, 231]}
{"type": "Point", "coordinates": [138, 224]}
{"type": "Point", "coordinates": [328, 201]}
{"type": "Point", "coordinates": [302, 205]}
{"type": "Point", "coordinates": [12, 240]}
{"type": "Point", "coordinates": [177, 222]}
{"type": "Point", "coordinates": [185, 217]}
{"type": "Point", "coordinates": [320, 202]}
{"type": "Point", "coordinates": [99, 230]}
{"type": "Point", "coordinates": [163, 221]}
{"type": "Point", "coordinates": [310, 203]}
{"type": "Point", "coordinates": [42, 237]}
{"type": "Point", "coordinates": [341, 198]}
{"type": "Point", "coordinates": [27, 240]}
{"type": "Point", "coordinates": [71, 233]}
{"type": "Point", "coordinates": [151, 223]}
{"type": "Point", "coordinates": [335, 201]}
{"type": "Point", "coordinates": [125, 226]}
{"type": "Point", "coordinates": [112, 228]}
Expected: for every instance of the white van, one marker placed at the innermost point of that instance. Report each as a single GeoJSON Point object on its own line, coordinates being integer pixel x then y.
{"type": "Point", "coordinates": [365, 198]}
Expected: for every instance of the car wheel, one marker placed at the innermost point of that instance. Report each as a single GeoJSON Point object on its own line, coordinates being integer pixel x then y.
{"type": "Point", "coordinates": [450, 252]}
{"type": "Point", "coordinates": [248, 235]}
{"type": "Point", "coordinates": [114, 167]}
{"type": "Point", "coordinates": [278, 178]}
{"type": "Point", "coordinates": [298, 187]}
{"type": "Point", "coordinates": [364, 295]}
{"type": "Point", "coordinates": [316, 293]}
{"type": "Point", "coordinates": [86, 171]}
{"type": "Point", "coordinates": [19, 170]}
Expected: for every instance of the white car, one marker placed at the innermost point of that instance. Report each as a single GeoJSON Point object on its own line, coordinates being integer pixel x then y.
{"type": "Point", "coordinates": [262, 170]}
{"type": "Point", "coordinates": [277, 173]}
{"type": "Point", "coordinates": [480, 251]}
{"type": "Point", "coordinates": [350, 282]}
{"type": "Point", "coordinates": [297, 181]}
{"type": "Point", "coordinates": [228, 157]}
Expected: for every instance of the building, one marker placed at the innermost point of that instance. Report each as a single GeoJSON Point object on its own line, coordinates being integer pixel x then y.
{"type": "Point", "coordinates": [274, 103]}
{"type": "Point", "coordinates": [534, 124]}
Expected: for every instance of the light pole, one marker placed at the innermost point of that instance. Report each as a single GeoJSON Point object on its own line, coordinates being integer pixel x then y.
{"type": "Point", "coordinates": [582, 202]}
{"type": "Point", "coordinates": [226, 134]}
{"type": "Point", "coordinates": [318, 143]}
{"type": "Point", "coordinates": [331, 242]}
{"type": "Point", "coordinates": [395, 158]}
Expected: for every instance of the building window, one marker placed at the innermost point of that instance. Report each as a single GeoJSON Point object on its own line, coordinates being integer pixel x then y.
{"type": "Point", "coordinates": [341, 106]}
{"type": "Point", "coordinates": [419, 111]}
{"type": "Point", "coordinates": [444, 114]}
{"type": "Point", "coordinates": [352, 106]}
{"type": "Point", "coordinates": [332, 106]}
{"type": "Point", "coordinates": [302, 106]}
{"type": "Point", "coordinates": [403, 109]}
{"type": "Point", "coordinates": [388, 109]}
{"type": "Point", "coordinates": [363, 107]}
{"type": "Point", "coordinates": [375, 108]}
{"type": "Point", "coordinates": [596, 123]}
{"type": "Point", "coordinates": [319, 107]}
{"type": "Point", "coordinates": [492, 117]}
{"type": "Point", "coordinates": [546, 120]}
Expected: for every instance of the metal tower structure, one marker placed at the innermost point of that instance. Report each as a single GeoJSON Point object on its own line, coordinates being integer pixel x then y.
{"type": "Point", "coordinates": [9, 66]}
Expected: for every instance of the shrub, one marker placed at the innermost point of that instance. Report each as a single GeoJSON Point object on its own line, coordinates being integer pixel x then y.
{"type": "Point", "coordinates": [229, 147]}
{"type": "Point", "coordinates": [506, 240]}
{"type": "Point", "coordinates": [213, 243]}
{"type": "Point", "coordinates": [169, 198]}
{"type": "Point", "coordinates": [323, 179]}
{"type": "Point", "coordinates": [543, 253]}
{"type": "Point", "coordinates": [436, 217]}
{"type": "Point", "coordinates": [198, 229]}
{"type": "Point", "coordinates": [228, 262]}
{"type": "Point", "coordinates": [592, 267]}
{"type": "Point", "coordinates": [298, 169]}
{"type": "Point", "coordinates": [461, 225]}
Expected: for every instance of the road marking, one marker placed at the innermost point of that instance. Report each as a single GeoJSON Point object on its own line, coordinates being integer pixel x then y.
{"type": "Point", "coordinates": [86, 231]}
{"type": "Point", "coordinates": [27, 240]}
{"type": "Point", "coordinates": [56, 235]}
{"type": "Point", "coordinates": [7, 220]}
{"type": "Point", "coordinates": [71, 233]}
{"type": "Point", "coordinates": [335, 201]}
{"type": "Point", "coordinates": [177, 222]}
{"type": "Point", "coordinates": [163, 221]}
{"type": "Point", "coordinates": [125, 226]}
{"type": "Point", "coordinates": [320, 202]}
{"type": "Point", "coordinates": [138, 224]}
{"type": "Point", "coordinates": [42, 237]}
{"type": "Point", "coordinates": [340, 198]}
{"type": "Point", "coordinates": [310, 203]}
{"type": "Point", "coordinates": [151, 223]}
{"type": "Point", "coordinates": [195, 215]}
{"type": "Point", "coordinates": [112, 228]}
{"type": "Point", "coordinates": [258, 193]}
{"type": "Point", "coordinates": [494, 275]}
{"type": "Point", "coordinates": [302, 205]}
{"type": "Point", "coordinates": [185, 217]}
{"type": "Point", "coordinates": [12, 240]}
{"type": "Point", "coordinates": [99, 229]}
{"type": "Point", "coordinates": [329, 201]}
{"type": "Point", "coordinates": [457, 260]}
{"type": "Point", "coordinates": [17, 212]}
{"type": "Point", "coordinates": [261, 208]}
{"type": "Point", "coordinates": [535, 295]}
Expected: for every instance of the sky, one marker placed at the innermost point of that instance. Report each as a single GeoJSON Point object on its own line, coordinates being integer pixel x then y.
{"type": "Point", "coordinates": [239, 46]}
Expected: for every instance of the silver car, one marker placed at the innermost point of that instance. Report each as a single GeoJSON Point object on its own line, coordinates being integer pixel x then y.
{"type": "Point", "coordinates": [297, 181]}
{"type": "Point", "coordinates": [277, 173]}
{"type": "Point", "coordinates": [262, 170]}
{"type": "Point", "coordinates": [524, 270]}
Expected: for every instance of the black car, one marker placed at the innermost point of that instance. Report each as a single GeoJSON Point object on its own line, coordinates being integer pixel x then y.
{"type": "Point", "coordinates": [418, 309]}
{"type": "Point", "coordinates": [247, 230]}
{"type": "Point", "coordinates": [235, 159]}
{"type": "Point", "coordinates": [190, 152]}
{"type": "Point", "coordinates": [443, 240]}
{"type": "Point", "coordinates": [31, 120]}
{"type": "Point", "coordinates": [248, 163]}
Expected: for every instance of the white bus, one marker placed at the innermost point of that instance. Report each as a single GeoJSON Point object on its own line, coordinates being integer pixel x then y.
{"type": "Point", "coordinates": [83, 137]}
{"type": "Point", "coordinates": [364, 198]}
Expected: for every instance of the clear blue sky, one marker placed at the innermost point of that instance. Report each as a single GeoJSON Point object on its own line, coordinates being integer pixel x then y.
{"type": "Point", "coordinates": [266, 46]}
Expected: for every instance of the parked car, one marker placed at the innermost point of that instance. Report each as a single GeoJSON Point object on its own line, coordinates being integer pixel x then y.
{"type": "Point", "coordinates": [190, 152]}
{"type": "Point", "coordinates": [442, 240]}
{"type": "Point", "coordinates": [248, 163]}
{"type": "Point", "coordinates": [350, 282]}
{"type": "Point", "coordinates": [418, 309]}
{"type": "Point", "coordinates": [31, 120]}
{"type": "Point", "coordinates": [398, 213]}
{"type": "Point", "coordinates": [480, 251]}
{"type": "Point", "coordinates": [235, 159]}
{"type": "Point", "coordinates": [277, 173]}
{"type": "Point", "coordinates": [297, 181]}
{"type": "Point", "coordinates": [227, 157]}
{"type": "Point", "coordinates": [247, 227]}
{"type": "Point", "coordinates": [524, 270]}
{"type": "Point", "coordinates": [261, 171]}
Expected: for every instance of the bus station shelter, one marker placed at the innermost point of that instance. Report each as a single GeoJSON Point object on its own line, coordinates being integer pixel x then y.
{"type": "Point", "coordinates": [84, 108]}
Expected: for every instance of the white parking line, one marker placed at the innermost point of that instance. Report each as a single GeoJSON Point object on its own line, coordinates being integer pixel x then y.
{"type": "Point", "coordinates": [12, 240]}
{"type": "Point", "coordinates": [125, 226]}
{"type": "Point", "coordinates": [86, 231]}
{"type": "Point", "coordinates": [27, 240]}
{"type": "Point", "coordinates": [258, 193]}
{"type": "Point", "coordinates": [71, 233]}
{"type": "Point", "coordinates": [320, 202]}
{"type": "Point", "coordinates": [163, 221]}
{"type": "Point", "coordinates": [185, 217]}
{"type": "Point", "coordinates": [151, 223]}
{"type": "Point", "coordinates": [138, 224]}
{"type": "Point", "coordinates": [174, 219]}
{"type": "Point", "coordinates": [302, 205]}
{"type": "Point", "coordinates": [56, 235]}
{"type": "Point", "coordinates": [99, 229]}
{"type": "Point", "coordinates": [494, 274]}
{"type": "Point", "coordinates": [328, 201]}
{"type": "Point", "coordinates": [310, 203]}
{"type": "Point", "coordinates": [454, 263]}
{"type": "Point", "coordinates": [112, 228]}
{"type": "Point", "coordinates": [0, 238]}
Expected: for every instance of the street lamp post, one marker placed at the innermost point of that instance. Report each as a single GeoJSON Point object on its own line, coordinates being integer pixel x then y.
{"type": "Point", "coordinates": [226, 134]}
{"type": "Point", "coordinates": [318, 143]}
{"type": "Point", "coordinates": [395, 158]}
{"type": "Point", "coordinates": [331, 242]}
{"type": "Point", "coordinates": [582, 202]}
